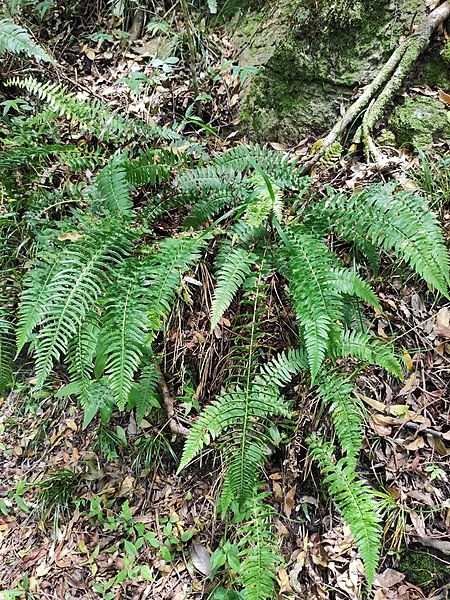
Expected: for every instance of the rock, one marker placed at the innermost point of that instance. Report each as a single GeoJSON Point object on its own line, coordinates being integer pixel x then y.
{"type": "Point", "coordinates": [313, 55]}
{"type": "Point", "coordinates": [421, 121]}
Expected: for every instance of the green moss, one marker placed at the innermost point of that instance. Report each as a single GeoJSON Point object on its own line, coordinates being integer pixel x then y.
{"type": "Point", "coordinates": [434, 69]}
{"type": "Point", "coordinates": [423, 569]}
{"type": "Point", "coordinates": [446, 52]}
{"type": "Point", "coordinates": [420, 122]}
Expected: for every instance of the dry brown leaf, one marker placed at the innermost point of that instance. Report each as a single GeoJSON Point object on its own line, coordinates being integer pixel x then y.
{"type": "Point", "coordinates": [277, 491]}
{"type": "Point", "coordinates": [443, 332]}
{"type": "Point", "coordinates": [126, 487]}
{"type": "Point", "coordinates": [379, 406]}
{"type": "Point", "coordinates": [415, 444]}
{"type": "Point", "coordinates": [444, 97]}
{"type": "Point", "coordinates": [438, 445]}
{"type": "Point", "coordinates": [289, 500]}
{"type": "Point", "coordinates": [409, 386]}
{"type": "Point", "coordinates": [443, 317]}
{"type": "Point", "coordinates": [388, 578]}
{"type": "Point", "coordinates": [281, 529]}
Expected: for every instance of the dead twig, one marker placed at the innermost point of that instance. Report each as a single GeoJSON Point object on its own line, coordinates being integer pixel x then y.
{"type": "Point", "coordinates": [169, 405]}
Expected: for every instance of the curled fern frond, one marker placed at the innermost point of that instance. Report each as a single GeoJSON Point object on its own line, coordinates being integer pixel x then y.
{"type": "Point", "coordinates": [356, 501]}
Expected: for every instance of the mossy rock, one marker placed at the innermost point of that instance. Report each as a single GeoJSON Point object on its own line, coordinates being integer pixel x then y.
{"type": "Point", "coordinates": [420, 122]}
{"type": "Point", "coordinates": [423, 569]}
{"type": "Point", "coordinates": [313, 55]}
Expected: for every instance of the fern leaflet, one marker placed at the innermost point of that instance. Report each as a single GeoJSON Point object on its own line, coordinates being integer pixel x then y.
{"type": "Point", "coordinates": [355, 500]}
{"type": "Point", "coordinates": [232, 273]}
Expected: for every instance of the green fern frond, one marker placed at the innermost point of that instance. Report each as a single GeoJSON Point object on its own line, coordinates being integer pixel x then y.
{"type": "Point", "coordinates": [398, 222]}
{"type": "Point", "coordinates": [17, 40]}
{"type": "Point", "coordinates": [231, 275]}
{"type": "Point", "coordinates": [316, 302]}
{"type": "Point", "coordinates": [125, 325]}
{"type": "Point", "coordinates": [211, 203]}
{"type": "Point", "coordinates": [151, 167]}
{"type": "Point", "coordinates": [80, 359]}
{"type": "Point", "coordinates": [78, 278]}
{"type": "Point", "coordinates": [282, 368]}
{"type": "Point", "coordinates": [35, 298]}
{"type": "Point", "coordinates": [205, 179]}
{"type": "Point", "coordinates": [93, 115]}
{"type": "Point", "coordinates": [332, 156]}
{"type": "Point", "coordinates": [264, 200]}
{"type": "Point", "coordinates": [113, 187]}
{"type": "Point", "coordinates": [258, 550]}
{"type": "Point", "coordinates": [101, 399]}
{"type": "Point", "coordinates": [367, 349]}
{"type": "Point", "coordinates": [164, 267]}
{"type": "Point", "coordinates": [18, 156]}
{"type": "Point", "coordinates": [7, 349]}
{"type": "Point", "coordinates": [143, 393]}
{"type": "Point", "coordinates": [227, 411]}
{"type": "Point", "coordinates": [278, 166]}
{"type": "Point", "coordinates": [345, 408]}
{"type": "Point", "coordinates": [349, 282]}
{"type": "Point", "coordinates": [356, 501]}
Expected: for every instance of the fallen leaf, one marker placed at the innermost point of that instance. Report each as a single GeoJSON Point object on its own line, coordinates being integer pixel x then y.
{"type": "Point", "coordinates": [72, 236]}
{"type": "Point", "coordinates": [399, 410]}
{"type": "Point", "coordinates": [443, 317]}
{"type": "Point", "coordinates": [389, 578]}
{"type": "Point", "coordinates": [444, 97]}
{"type": "Point", "coordinates": [415, 444]}
{"type": "Point", "coordinates": [126, 487]}
{"type": "Point", "coordinates": [201, 558]}
{"type": "Point", "coordinates": [277, 492]}
{"type": "Point", "coordinates": [409, 386]}
{"type": "Point", "coordinates": [281, 529]}
{"type": "Point", "coordinates": [289, 500]}
{"type": "Point", "coordinates": [379, 406]}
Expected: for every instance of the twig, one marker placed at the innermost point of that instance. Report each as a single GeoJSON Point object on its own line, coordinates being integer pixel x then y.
{"type": "Point", "coordinates": [168, 403]}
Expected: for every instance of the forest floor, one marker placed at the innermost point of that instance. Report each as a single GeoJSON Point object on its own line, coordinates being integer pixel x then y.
{"type": "Point", "coordinates": [100, 513]}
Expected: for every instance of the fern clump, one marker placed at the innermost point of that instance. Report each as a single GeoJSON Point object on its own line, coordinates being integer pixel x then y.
{"type": "Point", "coordinates": [95, 275]}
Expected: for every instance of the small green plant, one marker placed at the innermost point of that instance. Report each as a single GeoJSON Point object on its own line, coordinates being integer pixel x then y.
{"type": "Point", "coordinates": [436, 472]}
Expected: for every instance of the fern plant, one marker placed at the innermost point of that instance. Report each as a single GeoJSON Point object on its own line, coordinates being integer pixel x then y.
{"type": "Point", "coordinates": [99, 284]}
{"type": "Point", "coordinates": [320, 288]}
